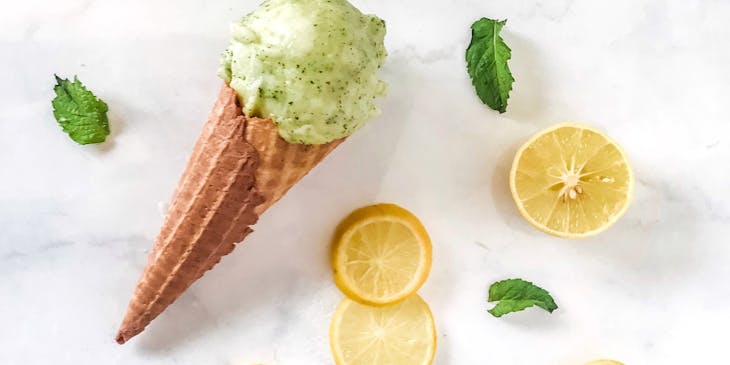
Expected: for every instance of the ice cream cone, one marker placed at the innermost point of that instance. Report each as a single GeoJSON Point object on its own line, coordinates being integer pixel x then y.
{"type": "Point", "coordinates": [281, 164]}
{"type": "Point", "coordinates": [238, 169]}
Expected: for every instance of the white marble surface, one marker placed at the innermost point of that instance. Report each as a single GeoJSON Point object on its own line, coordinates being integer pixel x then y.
{"type": "Point", "coordinates": [76, 222]}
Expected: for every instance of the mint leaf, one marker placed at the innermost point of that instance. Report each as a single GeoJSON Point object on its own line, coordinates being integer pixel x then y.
{"type": "Point", "coordinates": [79, 112]}
{"type": "Point", "coordinates": [486, 62]}
{"type": "Point", "coordinates": [515, 295]}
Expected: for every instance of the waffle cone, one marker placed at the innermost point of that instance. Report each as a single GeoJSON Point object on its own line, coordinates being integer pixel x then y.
{"type": "Point", "coordinates": [239, 167]}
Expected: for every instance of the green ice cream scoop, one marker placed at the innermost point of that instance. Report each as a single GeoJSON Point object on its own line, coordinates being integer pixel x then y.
{"type": "Point", "coordinates": [310, 65]}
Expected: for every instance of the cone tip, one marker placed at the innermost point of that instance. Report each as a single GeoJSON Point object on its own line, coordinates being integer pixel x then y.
{"type": "Point", "coordinates": [125, 335]}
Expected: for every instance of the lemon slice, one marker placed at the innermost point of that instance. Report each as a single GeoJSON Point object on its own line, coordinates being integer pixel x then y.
{"type": "Point", "coordinates": [604, 362]}
{"type": "Point", "coordinates": [571, 181]}
{"type": "Point", "coordinates": [399, 334]}
{"type": "Point", "coordinates": [381, 254]}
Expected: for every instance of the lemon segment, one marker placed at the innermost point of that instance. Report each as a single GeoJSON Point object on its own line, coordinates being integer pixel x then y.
{"type": "Point", "coordinates": [571, 181]}
{"type": "Point", "coordinates": [400, 334]}
{"type": "Point", "coordinates": [381, 254]}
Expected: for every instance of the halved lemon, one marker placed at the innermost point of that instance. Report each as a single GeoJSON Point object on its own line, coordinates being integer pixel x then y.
{"type": "Point", "coordinates": [399, 334]}
{"type": "Point", "coordinates": [381, 254]}
{"type": "Point", "coordinates": [571, 181]}
{"type": "Point", "coordinates": [604, 362]}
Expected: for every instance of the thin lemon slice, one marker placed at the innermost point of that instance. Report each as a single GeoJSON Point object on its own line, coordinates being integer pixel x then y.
{"type": "Point", "coordinates": [381, 254]}
{"type": "Point", "coordinates": [571, 181]}
{"type": "Point", "coordinates": [399, 334]}
{"type": "Point", "coordinates": [604, 362]}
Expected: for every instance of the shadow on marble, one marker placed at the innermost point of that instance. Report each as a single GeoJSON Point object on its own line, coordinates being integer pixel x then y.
{"type": "Point", "coordinates": [529, 94]}
{"type": "Point", "coordinates": [254, 289]}
{"type": "Point", "coordinates": [442, 350]}
{"type": "Point", "coordinates": [439, 292]}
{"type": "Point", "coordinates": [655, 240]}
{"type": "Point", "coordinates": [535, 319]}
{"type": "Point", "coordinates": [117, 124]}
{"type": "Point", "coordinates": [502, 196]}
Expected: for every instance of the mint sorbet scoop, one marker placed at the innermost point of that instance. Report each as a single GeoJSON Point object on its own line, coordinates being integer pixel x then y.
{"type": "Point", "coordinates": [310, 65]}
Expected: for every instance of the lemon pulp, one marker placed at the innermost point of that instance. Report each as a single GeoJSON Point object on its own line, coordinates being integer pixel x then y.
{"type": "Point", "coordinates": [571, 181]}
{"type": "Point", "coordinates": [399, 334]}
